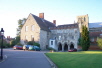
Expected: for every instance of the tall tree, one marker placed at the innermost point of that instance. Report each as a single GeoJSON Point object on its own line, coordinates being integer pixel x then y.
{"type": "Point", "coordinates": [85, 40]}
{"type": "Point", "coordinates": [20, 25]}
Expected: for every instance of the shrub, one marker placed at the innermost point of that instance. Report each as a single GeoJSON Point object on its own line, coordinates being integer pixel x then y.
{"type": "Point", "coordinates": [50, 48]}
{"type": "Point", "coordinates": [12, 43]}
{"type": "Point", "coordinates": [19, 44]}
{"type": "Point", "coordinates": [99, 41]}
{"type": "Point", "coordinates": [30, 43]}
{"type": "Point", "coordinates": [37, 44]}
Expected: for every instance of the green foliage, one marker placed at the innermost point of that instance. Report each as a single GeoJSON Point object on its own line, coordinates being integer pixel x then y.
{"type": "Point", "coordinates": [12, 43]}
{"type": "Point", "coordinates": [20, 25]}
{"type": "Point", "coordinates": [99, 41]}
{"type": "Point", "coordinates": [33, 43]}
{"type": "Point", "coordinates": [50, 48]}
{"type": "Point", "coordinates": [85, 40]}
{"type": "Point", "coordinates": [19, 44]}
{"type": "Point", "coordinates": [17, 40]}
{"type": "Point", "coordinates": [79, 41]}
{"type": "Point", "coordinates": [30, 43]}
{"type": "Point", "coordinates": [37, 44]}
{"type": "Point", "coordinates": [5, 44]}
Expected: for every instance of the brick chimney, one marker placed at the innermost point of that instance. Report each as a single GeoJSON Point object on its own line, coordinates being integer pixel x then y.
{"type": "Point", "coordinates": [54, 21]}
{"type": "Point", "coordinates": [41, 15]}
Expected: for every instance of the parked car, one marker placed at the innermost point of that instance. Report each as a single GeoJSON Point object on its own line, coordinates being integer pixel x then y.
{"type": "Point", "coordinates": [26, 47]}
{"type": "Point", "coordinates": [36, 48]}
{"type": "Point", "coordinates": [72, 50]}
{"type": "Point", "coordinates": [31, 48]}
{"type": "Point", "coordinates": [17, 47]}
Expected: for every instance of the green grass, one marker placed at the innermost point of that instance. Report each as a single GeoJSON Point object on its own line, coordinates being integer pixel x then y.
{"type": "Point", "coordinates": [83, 59]}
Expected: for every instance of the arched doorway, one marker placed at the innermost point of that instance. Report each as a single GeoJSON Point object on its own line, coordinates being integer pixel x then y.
{"type": "Point", "coordinates": [65, 47]}
{"type": "Point", "coordinates": [60, 47]}
{"type": "Point", "coordinates": [71, 46]}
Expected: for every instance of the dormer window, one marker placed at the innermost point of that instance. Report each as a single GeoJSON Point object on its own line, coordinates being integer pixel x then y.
{"type": "Point", "coordinates": [32, 27]}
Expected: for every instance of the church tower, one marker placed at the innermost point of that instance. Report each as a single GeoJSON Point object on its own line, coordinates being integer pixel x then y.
{"type": "Point", "coordinates": [83, 20]}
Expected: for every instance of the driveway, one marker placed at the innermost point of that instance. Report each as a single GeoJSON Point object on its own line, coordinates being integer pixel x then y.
{"type": "Point", "coordinates": [24, 59]}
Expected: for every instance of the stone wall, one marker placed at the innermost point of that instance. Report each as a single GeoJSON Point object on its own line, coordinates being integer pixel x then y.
{"type": "Point", "coordinates": [29, 33]}
{"type": "Point", "coordinates": [43, 39]}
{"type": "Point", "coordinates": [83, 20]}
{"type": "Point", "coordinates": [65, 36]}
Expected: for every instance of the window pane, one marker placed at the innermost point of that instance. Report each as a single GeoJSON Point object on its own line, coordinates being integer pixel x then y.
{"type": "Point", "coordinates": [26, 28]}
{"type": "Point", "coordinates": [32, 27]}
{"type": "Point", "coordinates": [51, 42]}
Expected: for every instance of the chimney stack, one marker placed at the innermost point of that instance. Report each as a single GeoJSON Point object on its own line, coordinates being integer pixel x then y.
{"type": "Point", "coordinates": [41, 15]}
{"type": "Point", "coordinates": [54, 21]}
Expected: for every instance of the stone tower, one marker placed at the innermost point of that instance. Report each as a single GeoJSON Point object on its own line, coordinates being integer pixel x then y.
{"type": "Point", "coordinates": [83, 20]}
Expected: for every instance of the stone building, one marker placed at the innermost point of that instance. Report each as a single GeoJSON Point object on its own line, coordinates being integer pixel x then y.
{"type": "Point", "coordinates": [64, 37]}
{"type": "Point", "coordinates": [37, 29]}
{"type": "Point", "coordinates": [95, 31]}
{"type": "Point", "coordinates": [47, 34]}
{"type": "Point", "coordinates": [83, 20]}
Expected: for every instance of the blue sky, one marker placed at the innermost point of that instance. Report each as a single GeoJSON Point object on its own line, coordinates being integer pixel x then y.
{"type": "Point", "coordinates": [63, 11]}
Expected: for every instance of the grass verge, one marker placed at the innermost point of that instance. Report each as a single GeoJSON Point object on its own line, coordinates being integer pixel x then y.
{"type": "Point", "coordinates": [83, 59]}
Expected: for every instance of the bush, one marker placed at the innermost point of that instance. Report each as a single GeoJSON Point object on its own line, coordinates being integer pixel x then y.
{"type": "Point", "coordinates": [19, 44]}
{"type": "Point", "coordinates": [50, 48]}
{"type": "Point", "coordinates": [99, 41]}
{"type": "Point", "coordinates": [30, 43]}
{"type": "Point", "coordinates": [33, 43]}
{"type": "Point", "coordinates": [36, 44]}
{"type": "Point", "coordinates": [5, 44]}
{"type": "Point", "coordinates": [12, 43]}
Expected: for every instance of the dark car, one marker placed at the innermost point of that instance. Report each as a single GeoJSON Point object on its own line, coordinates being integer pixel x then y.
{"type": "Point", "coordinates": [26, 47]}
{"type": "Point", "coordinates": [36, 48]}
{"type": "Point", "coordinates": [17, 47]}
{"type": "Point", "coordinates": [72, 50]}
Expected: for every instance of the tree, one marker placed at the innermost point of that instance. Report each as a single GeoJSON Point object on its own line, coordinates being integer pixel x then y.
{"type": "Point", "coordinates": [5, 44]}
{"type": "Point", "coordinates": [85, 40]}
{"type": "Point", "coordinates": [20, 25]}
{"type": "Point", "coordinates": [17, 39]}
{"type": "Point", "coordinates": [99, 41]}
{"type": "Point", "coordinates": [12, 43]}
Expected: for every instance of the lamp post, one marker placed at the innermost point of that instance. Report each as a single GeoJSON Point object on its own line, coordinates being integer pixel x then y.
{"type": "Point", "coordinates": [2, 35]}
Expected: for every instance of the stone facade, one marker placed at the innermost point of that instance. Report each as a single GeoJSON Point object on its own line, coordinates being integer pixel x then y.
{"type": "Point", "coordinates": [43, 39]}
{"type": "Point", "coordinates": [83, 20]}
{"type": "Point", "coordinates": [34, 29]}
{"type": "Point", "coordinates": [61, 38]}
{"type": "Point", "coordinates": [27, 33]}
{"type": "Point", "coordinates": [64, 39]}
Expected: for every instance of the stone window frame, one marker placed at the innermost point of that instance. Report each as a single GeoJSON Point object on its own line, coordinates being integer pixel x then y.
{"type": "Point", "coordinates": [51, 42]}
{"type": "Point", "coordinates": [59, 37]}
{"type": "Point", "coordinates": [32, 27]}
{"type": "Point", "coordinates": [26, 28]}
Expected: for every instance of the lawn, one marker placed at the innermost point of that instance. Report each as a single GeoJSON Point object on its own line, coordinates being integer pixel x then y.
{"type": "Point", "coordinates": [83, 59]}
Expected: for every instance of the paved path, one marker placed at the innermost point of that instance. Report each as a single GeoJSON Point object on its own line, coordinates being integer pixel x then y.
{"type": "Point", "coordinates": [24, 59]}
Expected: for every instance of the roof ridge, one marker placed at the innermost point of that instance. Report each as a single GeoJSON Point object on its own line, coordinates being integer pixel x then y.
{"type": "Point", "coordinates": [43, 23]}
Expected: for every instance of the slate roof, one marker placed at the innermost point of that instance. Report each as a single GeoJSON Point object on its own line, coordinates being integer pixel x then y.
{"type": "Point", "coordinates": [95, 34]}
{"type": "Point", "coordinates": [44, 24]}
{"type": "Point", "coordinates": [95, 25]}
{"type": "Point", "coordinates": [66, 26]}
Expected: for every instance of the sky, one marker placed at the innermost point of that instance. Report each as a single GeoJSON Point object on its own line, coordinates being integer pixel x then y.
{"type": "Point", "coordinates": [63, 11]}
